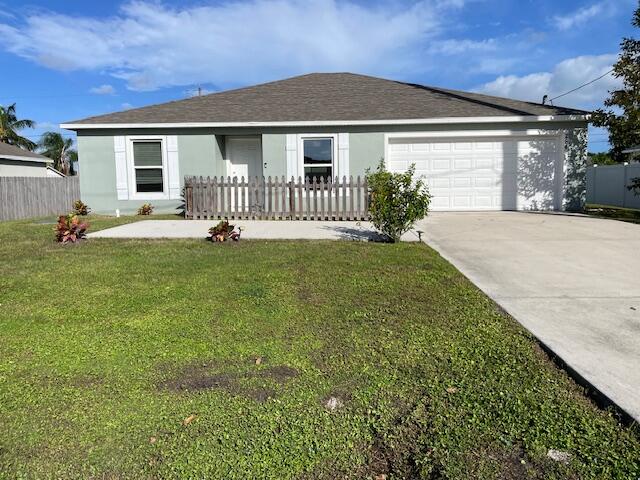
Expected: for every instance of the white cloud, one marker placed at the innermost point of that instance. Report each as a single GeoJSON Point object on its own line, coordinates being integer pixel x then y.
{"type": "Point", "coordinates": [126, 106]}
{"type": "Point", "coordinates": [151, 45]}
{"type": "Point", "coordinates": [583, 15]}
{"type": "Point", "coordinates": [103, 90]}
{"type": "Point", "coordinates": [456, 47]}
{"type": "Point", "coordinates": [565, 76]}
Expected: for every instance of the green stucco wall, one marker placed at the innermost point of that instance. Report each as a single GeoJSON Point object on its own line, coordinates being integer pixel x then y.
{"type": "Point", "coordinates": [365, 151]}
{"type": "Point", "coordinates": [198, 154]}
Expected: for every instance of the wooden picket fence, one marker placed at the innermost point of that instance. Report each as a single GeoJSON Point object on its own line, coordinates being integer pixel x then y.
{"type": "Point", "coordinates": [260, 198]}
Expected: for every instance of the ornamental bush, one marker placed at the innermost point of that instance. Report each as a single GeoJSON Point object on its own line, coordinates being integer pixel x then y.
{"type": "Point", "coordinates": [146, 209]}
{"type": "Point", "coordinates": [70, 229]}
{"type": "Point", "coordinates": [81, 208]}
{"type": "Point", "coordinates": [397, 200]}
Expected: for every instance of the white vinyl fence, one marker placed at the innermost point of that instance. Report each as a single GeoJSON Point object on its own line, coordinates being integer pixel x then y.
{"type": "Point", "coordinates": [607, 185]}
{"type": "Point", "coordinates": [26, 197]}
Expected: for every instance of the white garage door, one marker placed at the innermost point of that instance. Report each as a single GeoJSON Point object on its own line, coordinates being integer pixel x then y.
{"type": "Point", "coordinates": [484, 173]}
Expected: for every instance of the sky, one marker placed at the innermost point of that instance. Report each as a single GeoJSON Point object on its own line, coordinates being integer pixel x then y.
{"type": "Point", "coordinates": [62, 60]}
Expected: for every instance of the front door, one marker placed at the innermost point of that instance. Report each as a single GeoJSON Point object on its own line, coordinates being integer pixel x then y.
{"type": "Point", "coordinates": [244, 157]}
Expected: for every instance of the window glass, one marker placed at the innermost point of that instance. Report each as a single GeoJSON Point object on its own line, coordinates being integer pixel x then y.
{"type": "Point", "coordinates": [147, 154]}
{"type": "Point", "coordinates": [324, 172]}
{"type": "Point", "coordinates": [318, 158]}
{"type": "Point", "coordinates": [149, 180]}
{"type": "Point", "coordinates": [318, 150]}
{"type": "Point", "coordinates": [147, 164]}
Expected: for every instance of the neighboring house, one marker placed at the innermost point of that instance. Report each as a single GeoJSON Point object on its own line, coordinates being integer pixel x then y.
{"type": "Point", "coordinates": [17, 162]}
{"type": "Point", "coordinates": [476, 152]}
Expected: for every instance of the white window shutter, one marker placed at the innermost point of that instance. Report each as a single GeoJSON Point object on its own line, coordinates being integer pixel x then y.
{"type": "Point", "coordinates": [343, 155]}
{"type": "Point", "coordinates": [173, 167]}
{"type": "Point", "coordinates": [292, 156]}
{"type": "Point", "coordinates": [119, 149]}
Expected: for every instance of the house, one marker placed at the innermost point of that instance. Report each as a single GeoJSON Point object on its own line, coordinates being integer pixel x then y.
{"type": "Point", "coordinates": [17, 162]}
{"type": "Point", "coordinates": [476, 152]}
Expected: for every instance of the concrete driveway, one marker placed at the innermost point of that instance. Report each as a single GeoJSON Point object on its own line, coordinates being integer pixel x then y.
{"type": "Point", "coordinates": [573, 281]}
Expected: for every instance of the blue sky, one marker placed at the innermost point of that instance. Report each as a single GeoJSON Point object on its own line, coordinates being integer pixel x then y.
{"type": "Point", "coordinates": [64, 60]}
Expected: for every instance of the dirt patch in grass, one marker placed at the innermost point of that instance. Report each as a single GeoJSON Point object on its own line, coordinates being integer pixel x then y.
{"type": "Point", "coordinates": [333, 355]}
{"type": "Point", "coordinates": [511, 463]}
{"type": "Point", "coordinates": [279, 373]}
{"type": "Point", "coordinates": [87, 381]}
{"type": "Point", "coordinates": [199, 377]}
{"type": "Point", "coordinates": [397, 451]}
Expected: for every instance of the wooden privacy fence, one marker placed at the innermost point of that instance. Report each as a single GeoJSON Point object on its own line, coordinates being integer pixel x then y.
{"type": "Point", "coordinates": [25, 197]}
{"type": "Point", "coordinates": [262, 198]}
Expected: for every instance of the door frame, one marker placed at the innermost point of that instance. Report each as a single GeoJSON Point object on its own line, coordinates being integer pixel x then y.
{"type": "Point", "coordinates": [229, 139]}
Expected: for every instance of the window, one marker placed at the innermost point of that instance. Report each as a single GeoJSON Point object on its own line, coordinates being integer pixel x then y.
{"type": "Point", "coordinates": [318, 158]}
{"type": "Point", "coordinates": [148, 167]}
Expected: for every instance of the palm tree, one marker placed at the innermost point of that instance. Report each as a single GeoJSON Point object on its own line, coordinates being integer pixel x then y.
{"type": "Point", "coordinates": [58, 149]}
{"type": "Point", "coordinates": [10, 125]}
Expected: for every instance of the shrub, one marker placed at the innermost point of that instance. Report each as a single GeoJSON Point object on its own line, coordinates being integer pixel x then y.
{"type": "Point", "coordinates": [81, 208]}
{"type": "Point", "coordinates": [634, 186]}
{"type": "Point", "coordinates": [397, 200]}
{"type": "Point", "coordinates": [224, 231]}
{"type": "Point", "coordinates": [146, 209]}
{"type": "Point", "coordinates": [69, 229]}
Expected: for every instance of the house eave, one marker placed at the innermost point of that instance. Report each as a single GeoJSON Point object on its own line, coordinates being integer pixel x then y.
{"type": "Point", "coordinates": [26, 159]}
{"type": "Point", "coordinates": [327, 123]}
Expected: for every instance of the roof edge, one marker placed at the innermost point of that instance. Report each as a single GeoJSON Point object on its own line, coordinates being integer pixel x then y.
{"type": "Point", "coordinates": [328, 123]}
{"type": "Point", "coordinates": [22, 158]}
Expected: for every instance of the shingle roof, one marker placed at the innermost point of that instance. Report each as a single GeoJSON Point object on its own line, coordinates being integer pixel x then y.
{"type": "Point", "coordinates": [8, 151]}
{"type": "Point", "coordinates": [327, 97]}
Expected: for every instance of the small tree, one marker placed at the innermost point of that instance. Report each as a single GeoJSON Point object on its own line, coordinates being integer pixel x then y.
{"type": "Point", "coordinates": [621, 115]}
{"type": "Point", "coordinates": [634, 186]}
{"type": "Point", "coordinates": [397, 200]}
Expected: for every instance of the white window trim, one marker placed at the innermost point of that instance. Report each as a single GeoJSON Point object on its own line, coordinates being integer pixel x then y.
{"type": "Point", "coordinates": [334, 147]}
{"type": "Point", "coordinates": [133, 194]}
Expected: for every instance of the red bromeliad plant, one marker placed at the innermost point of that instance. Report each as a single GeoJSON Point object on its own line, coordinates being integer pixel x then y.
{"type": "Point", "coordinates": [69, 229]}
{"type": "Point", "coordinates": [224, 231]}
{"type": "Point", "coordinates": [81, 208]}
{"type": "Point", "coordinates": [146, 209]}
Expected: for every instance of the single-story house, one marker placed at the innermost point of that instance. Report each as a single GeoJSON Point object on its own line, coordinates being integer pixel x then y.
{"type": "Point", "coordinates": [476, 152]}
{"type": "Point", "coordinates": [17, 162]}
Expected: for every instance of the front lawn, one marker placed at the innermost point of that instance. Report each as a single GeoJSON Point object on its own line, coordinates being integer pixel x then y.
{"type": "Point", "coordinates": [186, 359]}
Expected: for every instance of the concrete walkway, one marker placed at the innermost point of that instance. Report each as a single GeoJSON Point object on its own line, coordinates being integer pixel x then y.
{"type": "Point", "coordinates": [251, 229]}
{"type": "Point", "coordinates": [570, 280]}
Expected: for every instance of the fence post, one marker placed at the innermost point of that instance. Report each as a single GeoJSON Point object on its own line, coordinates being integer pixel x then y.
{"type": "Point", "coordinates": [188, 196]}
{"type": "Point", "coordinates": [365, 187]}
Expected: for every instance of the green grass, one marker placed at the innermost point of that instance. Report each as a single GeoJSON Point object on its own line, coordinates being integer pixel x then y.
{"type": "Point", "coordinates": [106, 348]}
{"type": "Point", "coordinates": [615, 213]}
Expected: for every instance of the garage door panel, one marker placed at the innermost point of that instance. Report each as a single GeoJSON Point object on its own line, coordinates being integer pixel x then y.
{"type": "Point", "coordinates": [462, 182]}
{"type": "Point", "coordinates": [484, 201]}
{"type": "Point", "coordinates": [441, 164]}
{"type": "Point", "coordinates": [485, 182]}
{"type": "Point", "coordinates": [485, 162]}
{"type": "Point", "coordinates": [439, 182]}
{"type": "Point", "coordinates": [440, 202]}
{"type": "Point", "coordinates": [462, 163]}
{"type": "Point", "coordinates": [482, 174]}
